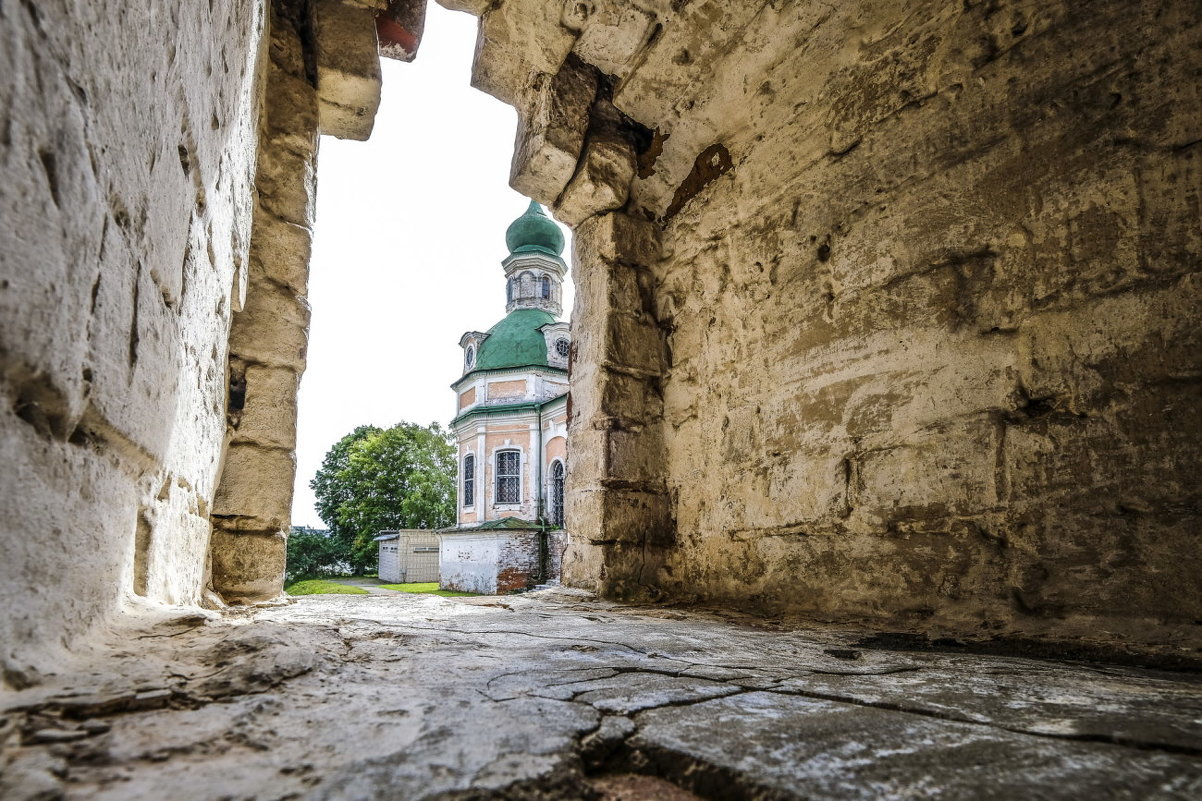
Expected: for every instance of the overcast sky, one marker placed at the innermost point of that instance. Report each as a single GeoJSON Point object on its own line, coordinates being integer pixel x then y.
{"type": "Point", "coordinates": [407, 249]}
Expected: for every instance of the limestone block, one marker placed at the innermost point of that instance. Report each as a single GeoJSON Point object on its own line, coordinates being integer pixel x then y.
{"type": "Point", "coordinates": [615, 457]}
{"type": "Point", "coordinates": [634, 342]}
{"type": "Point", "coordinates": [550, 133]}
{"type": "Point", "coordinates": [248, 567]}
{"type": "Point", "coordinates": [473, 7]}
{"type": "Point", "coordinates": [280, 252]}
{"type": "Point", "coordinates": [599, 393]}
{"type": "Point", "coordinates": [290, 113]}
{"type": "Point", "coordinates": [509, 59]}
{"type": "Point", "coordinates": [601, 183]}
{"type": "Point", "coordinates": [611, 32]}
{"type": "Point", "coordinates": [128, 357]}
{"type": "Point", "coordinates": [615, 237]}
{"type": "Point", "coordinates": [273, 328]}
{"type": "Point", "coordinates": [287, 184]}
{"type": "Point", "coordinates": [269, 414]}
{"type": "Point", "coordinates": [348, 69]}
{"type": "Point", "coordinates": [583, 564]}
{"type": "Point", "coordinates": [605, 515]}
{"type": "Point", "coordinates": [255, 492]}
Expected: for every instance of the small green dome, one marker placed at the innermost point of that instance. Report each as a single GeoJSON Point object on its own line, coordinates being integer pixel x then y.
{"type": "Point", "coordinates": [516, 341]}
{"type": "Point", "coordinates": [534, 231]}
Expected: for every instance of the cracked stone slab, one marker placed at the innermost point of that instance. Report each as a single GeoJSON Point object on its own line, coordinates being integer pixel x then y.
{"type": "Point", "coordinates": [559, 696]}
{"type": "Point", "coordinates": [807, 748]}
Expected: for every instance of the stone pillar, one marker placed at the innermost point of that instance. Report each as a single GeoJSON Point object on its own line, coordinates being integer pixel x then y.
{"type": "Point", "coordinates": [618, 511]}
{"type": "Point", "coordinates": [269, 331]}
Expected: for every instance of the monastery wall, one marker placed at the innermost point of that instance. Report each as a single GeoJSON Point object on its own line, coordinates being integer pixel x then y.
{"type": "Point", "coordinates": [885, 312]}
{"type": "Point", "coordinates": [127, 155]}
{"type": "Point", "coordinates": [933, 335]}
{"type": "Point", "coordinates": [157, 209]}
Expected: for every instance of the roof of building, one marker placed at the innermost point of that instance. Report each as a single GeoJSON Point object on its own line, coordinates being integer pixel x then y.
{"type": "Point", "coordinates": [500, 524]}
{"type": "Point", "coordinates": [516, 341]}
{"type": "Point", "coordinates": [534, 231]}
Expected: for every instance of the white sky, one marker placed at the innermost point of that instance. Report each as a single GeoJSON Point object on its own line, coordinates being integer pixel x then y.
{"type": "Point", "coordinates": [407, 250]}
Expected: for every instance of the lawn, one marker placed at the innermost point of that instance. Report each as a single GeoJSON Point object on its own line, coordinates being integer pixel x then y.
{"type": "Point", "coordinates": [427, 588]}
{"type": "Point", "coordinates": [323, 587]}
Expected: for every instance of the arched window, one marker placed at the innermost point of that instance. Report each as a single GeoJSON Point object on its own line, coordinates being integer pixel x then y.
{"type": "Point", "coordinates": [509, 477]}
{"type": "Point", "coordinates": [526, 285]}
{"type": "Point", "coordinates": [546, 287]}
{"type": "Point", "coordinates": [469, 480]}
{"type": "Point", "coordinates": [557, 473]}
{"type": "Point", "coordinates": [469, 356]}
{"type": "Point", "coordinates": [509, 291]}
{"type": "Point", "coordinates": [562, 348]}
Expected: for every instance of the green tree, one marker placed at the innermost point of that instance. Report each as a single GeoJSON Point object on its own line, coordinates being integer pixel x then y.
{"type": "Point", "coordinates": [373, 479]}
{"type": "Point", "coordinates": [313, 553]}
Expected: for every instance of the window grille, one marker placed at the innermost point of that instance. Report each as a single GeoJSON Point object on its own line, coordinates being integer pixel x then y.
{"type": "Point", "coordinates": [469, 480]}
{"type": "Point", "coordinates": [470, 356]}
{"type": "Point", "coordinates": [562, 347]}
{"type": "Point", "coordinates": [509, 482]}
{"type": "Point", "coordinates": [557, 494]}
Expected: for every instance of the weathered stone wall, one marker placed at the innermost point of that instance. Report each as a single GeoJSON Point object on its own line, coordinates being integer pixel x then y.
{"type": "Point", "coordinates": [900, 324]}
{"type": "Point", "coordinates": [127, 144]}
{"type": "Point", "coordinates": [269, 331]}
{"type": "Point", "coordinates": [158, 198]}
{"type": "Point", "coordinates": [935, 355]}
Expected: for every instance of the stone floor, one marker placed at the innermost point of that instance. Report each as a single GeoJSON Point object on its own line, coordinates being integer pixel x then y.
{"type": "Point", "coordinates": [557, 696]}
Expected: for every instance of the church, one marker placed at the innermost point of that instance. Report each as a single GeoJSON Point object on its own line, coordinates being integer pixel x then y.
{"type": "Point", "coordinates": [511, 426]}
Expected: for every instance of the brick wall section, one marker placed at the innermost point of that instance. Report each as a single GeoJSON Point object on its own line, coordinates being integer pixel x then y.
{"type": "Point", "coordinates": [517, 562]}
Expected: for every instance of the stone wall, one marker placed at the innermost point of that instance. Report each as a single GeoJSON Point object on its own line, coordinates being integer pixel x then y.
{"type": "Point", "coordinates": [125, 209]}
{"type": "Point", "coordinates": [157, 204]}
{"type": "Point", "coordinates": [886, 312]}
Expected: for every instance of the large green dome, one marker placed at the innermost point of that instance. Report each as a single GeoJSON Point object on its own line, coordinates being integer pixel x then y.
{"type": "Point", "coordinates": [516, 341]}
{"type": "Point", "coordinates": [534, 231]}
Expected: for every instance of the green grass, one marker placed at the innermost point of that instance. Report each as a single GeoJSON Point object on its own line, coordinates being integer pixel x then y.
{"type": "Point", "coordinates": [322, 587]}
{"type": "Point", "coordinates": [427, 588]}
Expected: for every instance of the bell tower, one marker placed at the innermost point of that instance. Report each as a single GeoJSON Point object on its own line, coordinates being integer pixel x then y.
{"type": "Point", "coordinates": [534, 269]}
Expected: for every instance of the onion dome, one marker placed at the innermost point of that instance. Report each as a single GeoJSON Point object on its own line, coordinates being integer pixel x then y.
{"type": "Point", "coordinates": [534, 232]}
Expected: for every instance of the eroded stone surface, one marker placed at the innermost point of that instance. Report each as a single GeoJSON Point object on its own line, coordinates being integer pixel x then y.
{"type": "Point", "coordinates": [927, 290]}
{"type": "Point", "coordinates": [555, 695]}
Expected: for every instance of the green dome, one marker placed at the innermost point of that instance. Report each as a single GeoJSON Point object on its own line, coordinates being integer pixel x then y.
{"type": "Point", "coordinates": [515, 341]}
{"type": "Point", "coordinates": [534, 231]}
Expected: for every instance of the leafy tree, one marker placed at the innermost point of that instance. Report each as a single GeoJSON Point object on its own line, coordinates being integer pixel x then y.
{"type": "Point", "coordinates": [313, 553]}
{"type": "Point", "coordinates": [373, 479]}
{"type": "Point", "coordinates": [333, 490]}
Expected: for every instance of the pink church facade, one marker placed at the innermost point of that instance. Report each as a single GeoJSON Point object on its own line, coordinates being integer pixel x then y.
{"type": "Point", "coordinates": [511, 427]}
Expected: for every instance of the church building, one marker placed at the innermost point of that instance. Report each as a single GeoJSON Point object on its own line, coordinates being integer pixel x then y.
{"type": "Point", "coordinates": [511, 425]}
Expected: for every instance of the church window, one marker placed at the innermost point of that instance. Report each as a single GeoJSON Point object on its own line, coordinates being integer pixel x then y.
{"type": "Point", "coordinates": [509, 480]}
{"type": "Point", "coordinates": [546, 282]}
{"type": "Point", "coordinates": [469, 480]}
{"type": "Point", "coordinates": [509, 290]}
{"type": "Point", "coordinates": [557, 474]}
{"type": "Point", "coordinates": [469, 357]}
{"type": "Point", "coordinates": [562, 348]}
